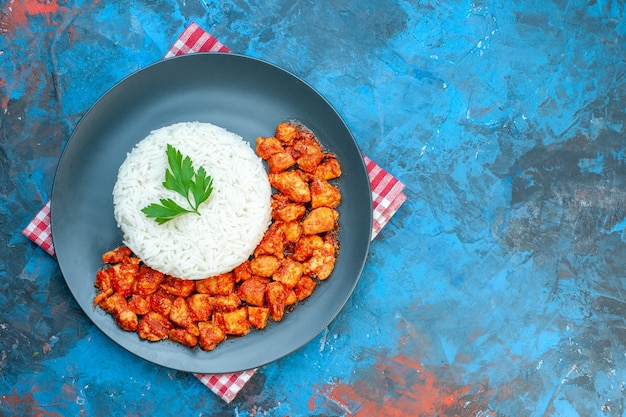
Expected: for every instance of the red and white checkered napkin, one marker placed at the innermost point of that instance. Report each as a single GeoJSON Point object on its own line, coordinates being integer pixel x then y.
{"type": "Point", "coordinates": [387, 198]}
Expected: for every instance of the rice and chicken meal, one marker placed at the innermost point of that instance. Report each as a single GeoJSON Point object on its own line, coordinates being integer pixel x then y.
{"type": "Point", "coordinates": [237, 210]}
{"type": "Point", "coordinates": [214, 245]}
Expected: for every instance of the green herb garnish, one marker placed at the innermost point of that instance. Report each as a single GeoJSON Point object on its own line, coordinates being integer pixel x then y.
{"type": "Point", "coordinates": [182, 178]}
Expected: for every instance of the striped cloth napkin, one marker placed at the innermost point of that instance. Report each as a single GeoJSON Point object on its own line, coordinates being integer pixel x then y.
{"type": "Point", "coordinates": [387, 196]}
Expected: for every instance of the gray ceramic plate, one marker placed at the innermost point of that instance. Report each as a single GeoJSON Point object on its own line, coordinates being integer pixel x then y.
{"type": "Point", "coordinates": [246, 96]}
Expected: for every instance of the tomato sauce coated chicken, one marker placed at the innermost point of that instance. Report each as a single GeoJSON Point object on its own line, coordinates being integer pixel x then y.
{"type": "Point", "coordinates": [296, 253]}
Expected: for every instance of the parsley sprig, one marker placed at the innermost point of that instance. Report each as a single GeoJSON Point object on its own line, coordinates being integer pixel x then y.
{"type": "Point", "coordinates": [195, 186]}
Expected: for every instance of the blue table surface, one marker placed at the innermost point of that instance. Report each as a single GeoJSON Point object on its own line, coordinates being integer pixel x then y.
{"type": "Point", "coordinates": [498, 288]}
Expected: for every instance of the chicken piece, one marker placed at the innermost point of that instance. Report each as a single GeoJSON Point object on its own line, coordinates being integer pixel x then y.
{"type": "Point", "coordinates": [243, 271]}
{"type": "Point", "coordinates": [236, 322]}
{"type": "Point", "coordinates": [127, 320]}
{"type": "Point", "coordinates": [183, 337]}
{"type": "Point", "coordinates": [283, 209]}
{"type": "Point", "coordinates": [103, 283]}
{"type": "Point", "coordinates": [292, 230]}
{"type": "Point", "coordinates": [289, 273]}
{"type": "Point", "coordinates": [324, 194]}
{"type": "Point", "coordinates": [100, 297]}
{"type": "Point", "coordinates": [117, 255]}
{"type": "Point", "coordinates": [306, 246]}
{"type": "Point", "coordinates": [114, 304]}
{"type": "Point", "coordinates": [276, 295]}
{"type": "Point", "coordinates": [328, 169]}
{"type": "Point", "coordinates": [139, 304]}
{"type": "Point", "coordinates": [123, 276]}
{"type": "Point", "coordinates": [117, 307]}
{"type": "Point", "coordinates": [279, 200]}
{"type": "Point", "coordinates": [193, 329]}
{"type": "Point", "coordinates": [292, 184]}
{"type": "Point", "coordinates": [290, 298]}
{"type": "Point", "coordinates": [304, 288]}
{"type": "Point", "coordinates": [280, 161]}
{"type": "Point", "coordinates": [200, 306]}
{"type": "Point", "coordinates": [310, 154]}
{"type": "Point", "coordinates": [320, 220]}
{"type": "Point", "coordinates": [257, 316]}
{"type": "Point", "coordinates": [264, 265]}
{"type": "Point", "coordinates": [225, 303]}
{"type": "Point", "coordinates": [153, 327]}
{"type": "Point", "coordinates": [180, 313]}
{"type": "Point", "coordinates": [210, 335]}
{"type": "Point", "coordinates": [177, 286]}
{"type": "Point", "coordinates": [252, 291]}
{"type": "Point", "coordinates": [222, 284]}
{"type": "Point", "coordinates": [218, 319]}
{"type": "Point", "coordinates": [272, 243]}
{"type": "Point", "coordinates": [305, 134]}
{"type": "Point", "coordinates": [161, 302]}
{"type": "Point", "coordinates": [148, 280]}
{"type": "Point", "coordinates": [266, 147]}
{"type": "Point", "coordinates": [287, 133]}
{"type": "Point", "coordinates": [103, 280]}
{"type": "Point", "coordinates": [322, 263]}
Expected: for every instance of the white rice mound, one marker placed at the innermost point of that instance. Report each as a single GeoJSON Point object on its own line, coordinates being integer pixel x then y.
{"type": "Point", "coordinates": [232, 221]}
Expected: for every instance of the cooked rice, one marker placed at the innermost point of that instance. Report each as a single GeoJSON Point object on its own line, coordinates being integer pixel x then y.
{"type": "Point", "coordinates": [232, 221]}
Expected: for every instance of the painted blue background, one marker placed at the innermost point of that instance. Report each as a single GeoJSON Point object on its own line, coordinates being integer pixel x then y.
{"type": "Point", "coordinates": [498, 288]}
